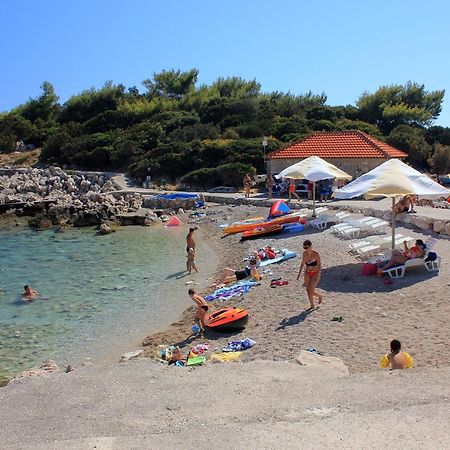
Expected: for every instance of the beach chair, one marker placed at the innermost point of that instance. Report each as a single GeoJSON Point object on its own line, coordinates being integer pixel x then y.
{"type": "Point", "coordinates": [367, 226]}
{"type": "Point", "coordinates": [431, 266]}
{"type": "Point", "coordinates": [320, 222]}
{"type": "Point", "coordinates": [339, 217]}
{"type": "Point", "coordinates": [379, 244]}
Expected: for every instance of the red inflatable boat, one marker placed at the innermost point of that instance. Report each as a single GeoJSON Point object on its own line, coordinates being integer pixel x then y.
{"type": "Point", "coordinates": [227, 320]}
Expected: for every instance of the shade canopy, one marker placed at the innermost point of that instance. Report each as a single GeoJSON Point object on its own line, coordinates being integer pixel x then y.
{"type": "Point", "coordinates": [313, 169]}
{"type": "Point", "coordinates": [393, 178]}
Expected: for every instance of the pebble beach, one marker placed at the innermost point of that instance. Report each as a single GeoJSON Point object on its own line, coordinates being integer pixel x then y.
{"type": "Point", "coordinates": [414, 309]}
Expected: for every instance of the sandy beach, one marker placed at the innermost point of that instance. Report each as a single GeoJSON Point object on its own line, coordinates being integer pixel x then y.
{"type": "Point", "coordinates": [267, 400]}
{"type": "Point", "coordinates": [414, 309]}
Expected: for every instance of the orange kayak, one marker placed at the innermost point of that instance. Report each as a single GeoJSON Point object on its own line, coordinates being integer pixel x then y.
{"type": "Point", "coordinates": [227, 319]}
{"type": "Point", "coordinates": [239, 227]}
{"type": "Point", "coordinates": [264, 231]}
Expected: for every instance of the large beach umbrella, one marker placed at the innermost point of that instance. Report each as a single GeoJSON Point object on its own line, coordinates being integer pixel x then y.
{"type": "Point", "coordinates": [313, 169]}
{"type": "Point", "coordinates": [393, 179]}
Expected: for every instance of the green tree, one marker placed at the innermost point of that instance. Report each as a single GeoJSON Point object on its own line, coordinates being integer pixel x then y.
{"type": "Point", "coordinates": [394, 105]}
{"type": "Point", "coordinates": [440, 161]}
{"type": "Point", "coordinates": [411, 140]}
{"type": "Point", "coordinates": [171, 83]}
{"type": "Point", "coordinates": [44, 107]}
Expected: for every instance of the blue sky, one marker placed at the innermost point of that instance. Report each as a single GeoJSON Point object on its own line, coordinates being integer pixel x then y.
{"type": "Point", "coordinates": [339, 47]}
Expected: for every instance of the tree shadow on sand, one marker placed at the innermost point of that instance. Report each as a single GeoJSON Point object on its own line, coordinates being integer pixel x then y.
{"type": "Point", "coordinates": [294, 320]}
{"type": "Point", "coordinates": [349, 278]}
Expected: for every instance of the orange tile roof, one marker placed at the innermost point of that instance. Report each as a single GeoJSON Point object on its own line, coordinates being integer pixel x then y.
{"type": "Point", "coordinates": [338, 144]}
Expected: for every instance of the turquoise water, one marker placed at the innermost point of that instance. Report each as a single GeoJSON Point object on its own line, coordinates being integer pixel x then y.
{"type": "Point", "coordinates": [99, 294]}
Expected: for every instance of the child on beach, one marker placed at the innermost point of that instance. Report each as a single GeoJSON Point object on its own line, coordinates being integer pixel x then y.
{"type": "Point", "coordinates": [396, 359]}
{"type": "Point", "coordinates": [190, 263]}
{"type": "Point", "coordinates": [202, 309]}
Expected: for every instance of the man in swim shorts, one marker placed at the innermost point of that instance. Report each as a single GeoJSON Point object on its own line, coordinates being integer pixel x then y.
{"type": "Point", "coordinates": [202, 309]}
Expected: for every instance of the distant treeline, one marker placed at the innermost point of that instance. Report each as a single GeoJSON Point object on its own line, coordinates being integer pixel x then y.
{"type": "Point", "coordinates": [213, 134]}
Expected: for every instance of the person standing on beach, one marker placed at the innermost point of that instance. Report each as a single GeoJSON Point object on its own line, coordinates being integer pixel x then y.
{"type": "Point", "coordinates": [190, 242]}
{"type": "Point", "coordinates": [312, 265]}
{"type": "Point", "coordinates": [202, 309]}
{"type": "Point", "coordinates": [190, 263]}
{"type": "Point", "coordinates": [270, 183]}
{"type": "Point", "coordinates": [247, 182]}
{"type": "Point", "coordinates": [291, 190]}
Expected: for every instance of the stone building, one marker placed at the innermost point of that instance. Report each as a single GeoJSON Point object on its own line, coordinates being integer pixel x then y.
{"type": "Point", "coordinates": [354, 152]}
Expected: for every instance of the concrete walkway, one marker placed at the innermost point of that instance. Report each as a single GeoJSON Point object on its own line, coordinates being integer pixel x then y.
{"type": "Point", "coordinates": [258, 405]}
{"type": "Point", "coordinates": [384, 204]}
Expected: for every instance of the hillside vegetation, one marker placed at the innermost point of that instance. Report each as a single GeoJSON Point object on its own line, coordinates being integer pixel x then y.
{"type": "Point", "coordinates": [206, 134]}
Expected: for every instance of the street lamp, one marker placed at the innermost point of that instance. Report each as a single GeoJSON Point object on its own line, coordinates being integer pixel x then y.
{"type": "Point", "coordinates": [264, 144]}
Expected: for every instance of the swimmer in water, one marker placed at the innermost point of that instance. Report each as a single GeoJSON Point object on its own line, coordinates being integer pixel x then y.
{"type": "Point", "coordinates": [29, 293]}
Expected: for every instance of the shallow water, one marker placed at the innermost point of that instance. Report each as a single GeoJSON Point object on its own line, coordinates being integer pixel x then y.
{"type": "Point", "coordinates": [99, 294]}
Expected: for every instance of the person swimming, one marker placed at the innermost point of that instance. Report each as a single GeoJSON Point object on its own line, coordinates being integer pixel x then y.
{"type": "Point", "coordinates": [29, 293]}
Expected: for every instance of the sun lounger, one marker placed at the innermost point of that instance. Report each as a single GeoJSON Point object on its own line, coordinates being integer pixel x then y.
{"type": "Point", "coordinates": [339, 217]}
{"type": "Point", "coordinates": [320, 222]}
{"type": "Point", "coordinates": [364, 226]}
{"type": "Point", "coordinates": [431, 266]}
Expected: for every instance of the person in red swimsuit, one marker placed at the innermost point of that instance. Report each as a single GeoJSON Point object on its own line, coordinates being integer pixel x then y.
{"type": "Point", "coordinates": [312, 265]}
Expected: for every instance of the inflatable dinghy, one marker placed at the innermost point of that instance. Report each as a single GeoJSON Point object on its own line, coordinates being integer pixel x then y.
{"type": "Point", "coordinates": [227, 320]}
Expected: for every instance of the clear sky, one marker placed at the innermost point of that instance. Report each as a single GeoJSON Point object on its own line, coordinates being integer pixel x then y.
{"type": "Point", "coordinates": [339, 47]}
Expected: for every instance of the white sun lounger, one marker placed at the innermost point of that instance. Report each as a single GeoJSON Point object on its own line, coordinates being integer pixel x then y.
{"type": "Point", "coordinates": [365, 226]}
{"type": "Point", "coordinates": [431, 266]}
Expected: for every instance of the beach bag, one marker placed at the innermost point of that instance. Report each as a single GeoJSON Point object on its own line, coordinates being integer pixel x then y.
{"type": "Point", "coordinates": [369, 269]}
{"type": "Point", "coordinates": [431, 257]}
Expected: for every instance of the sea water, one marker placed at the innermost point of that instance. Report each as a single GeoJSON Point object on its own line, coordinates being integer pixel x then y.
{"type": "Point", "coordinates": [99, 295]}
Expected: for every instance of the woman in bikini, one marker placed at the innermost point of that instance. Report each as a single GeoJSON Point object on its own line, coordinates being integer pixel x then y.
{"type": "Point", "coordinates": [311, 263]}
{"type": "Point", "coordinates": [232, 275]}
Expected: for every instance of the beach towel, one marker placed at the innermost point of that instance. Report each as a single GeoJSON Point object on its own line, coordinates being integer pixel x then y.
{"type": "Point", "coordinates": [225, 357]}
{"type": "Point", "coordinates": [239, 345]}
{"type": "Point", "coordinates": [225, 293]}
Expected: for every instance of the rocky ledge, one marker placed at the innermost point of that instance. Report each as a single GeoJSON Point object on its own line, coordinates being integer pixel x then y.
{"type": "Point", "coordinates": [55, 197]}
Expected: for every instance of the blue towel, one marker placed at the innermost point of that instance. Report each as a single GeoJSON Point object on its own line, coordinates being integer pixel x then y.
{"type": "Point", "coordinates": [239, 345]}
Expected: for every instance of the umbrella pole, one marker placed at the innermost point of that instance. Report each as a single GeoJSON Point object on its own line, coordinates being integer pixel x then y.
{"type": "Point", "coordinates": [314, 199]}
{"type": "Point", "coordinates": [393, 223]}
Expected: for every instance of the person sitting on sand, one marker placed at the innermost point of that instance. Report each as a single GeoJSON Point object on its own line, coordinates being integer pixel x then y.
{"type": "Point", "coordinates": [202, 309]}
{"type": "Point", "coordinates": [396, 359]}
{"type": "Point", "coordinates": [190, 242]}
{"type": "Point", "coordinates": [190, 263]}
{"type": "Point", "coordinates": [312, 264]}
{"type": "Point", "coordinates": [29, 293]}
{"type": "Point", "coordinates": [399, 258]}
{"type": "Point", "coordinates": [232, 275]}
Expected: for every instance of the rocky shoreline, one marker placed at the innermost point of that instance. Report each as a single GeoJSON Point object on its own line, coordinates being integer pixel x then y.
{"type": "Point", "coordinates": [53, 197]}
